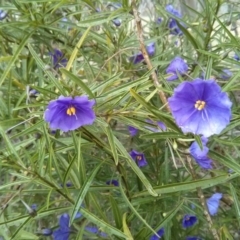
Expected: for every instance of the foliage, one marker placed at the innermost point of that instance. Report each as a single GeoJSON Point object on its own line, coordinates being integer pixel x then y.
{"type": "Point", "coordinates": [71, 172]}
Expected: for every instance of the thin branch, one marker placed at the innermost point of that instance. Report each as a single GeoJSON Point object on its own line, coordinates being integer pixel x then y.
{"type": "Point", "coordinates": [145, 55]}
{"type": "Point", "coordinates": [203, 202]}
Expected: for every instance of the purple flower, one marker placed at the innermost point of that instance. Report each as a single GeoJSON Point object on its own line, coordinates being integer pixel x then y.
{"type": "Point", "coordinates": [67, 184]}
{"type": "Point", "coordinates": [95, 230]}
{"type": "Point", "coordinates": [200, 155]}
{"type": "Point", "coordinates": [58, 59]}
{"type": "Point", "coordinates": [193, 238]}
{"type": "Point", "coordinates": [3, 14]}
{"type": "Point", "coordinates": [133, 131]}
{"type": "Point", "coordinates": [33, 93]}
{"type": "Point", "coordinates": [113, 182]}
{"type": "Point", "coordinates": [69, 113]}
{"type": "Point", "coordinates": [172, 22]}
{"type": "Point", "coordinates": [139, 158]}
{"type": "Point", "coordinates": [160, 234]}
{"type": "Point", "coordinates": [176, 66]}
{"type": "Point", "coordinates": [63, 232]}
{"type": "Point", "coordinates": [159, 20]}
{"type": "Point", "coordinates": [117, 22]}
{"type": "Point", "coordinates": [189, 221]}
{"type": "Point", "coordinates": [226, 74]}
{"type": "Point", "coordinates": [46, 232]}
{"type": "Point", "coordinates": [34, 206]}
{"type": "Point", "coordinates": [200, 107]}
{"type": "Point", "coordinates": [159, 125]}
{"type": "Point", "coordinates": [236, 57]}
{"type": "Point", "coordinates": [137, 58]}
{"type": "Point", "coordinates": [151, 49]}
{"type": "Point", "coordinates": [213, 203]}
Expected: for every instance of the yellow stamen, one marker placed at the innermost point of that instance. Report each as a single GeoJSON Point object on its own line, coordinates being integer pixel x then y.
{"type": "Point", "coordinates": [139, 158]}
{"type": "Point", "coordinates": [71, 111]}
{"type": "Point", "coordinates": [200, 105]}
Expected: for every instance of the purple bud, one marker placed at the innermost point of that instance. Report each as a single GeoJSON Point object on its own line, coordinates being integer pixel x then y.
{"type": "Point", "coordinates": [3, 14]}
{"type": "Point", "coordinates": [117, 22]}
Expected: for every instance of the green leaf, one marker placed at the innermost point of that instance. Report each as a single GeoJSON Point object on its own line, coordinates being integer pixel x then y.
{"type": "Point", "coordinates": [226, 161]}
{"type": "Point", "coordinates": [41, 64]}
{"type": "Point", "coordinates": [15, 57]}
{"type": "Point", "coordinates": [129, 204]}
{"type": "Point", "coordinates": [167, 218]}
{"type": "Point", "coordinates": [166, 119]}
{"type": "Point", "coordinates": [236, 202]}
{"type": "Point", "coordinates": [135, 168]}
{"type": "Point", "coordinates": [101, 224]}
{"type": "Point", "coordinates": [125, 228]}
{"type": "Point", "coordinates": [83, 191]}
{"type": "Point", "coordinates": [78, 81]}
{"type": "Point", "coordinates": [111, 140]}
{"type": "Point", "coordinates": [162, 135]}
{"type": "Point", "coordinates": [116, 212]}
{"type": "Point", "coordinates": [187, 186]}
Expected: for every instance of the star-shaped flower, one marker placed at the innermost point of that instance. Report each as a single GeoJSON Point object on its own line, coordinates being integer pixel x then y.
{"type": "Point", "coordinates": [139, 158]}
{"type": "Point", "coordinates": [189, 221]}
{"type": "Point", "coordinates": [68, 113]}
{"type": "Point", "coordinates": [200, 107]}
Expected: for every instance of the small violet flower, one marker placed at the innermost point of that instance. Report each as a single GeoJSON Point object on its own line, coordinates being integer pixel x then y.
{"type": "Point", "coordinates": [226, 74]}
{"type": "Point", "coordinates": [113, 182]}
{"type": "Point", "coordinates": [63, 232]}
{"type": "Point", "coordinates": [193, 238]}
{"type": "Point", "coordinates": [200, 155]}
{"type": "Point", "coordinates": [67, 184]}
{"type": "Point", "coordinates": [69, 113]}
{"type": "Point", "coordinates": [189, 221]}
{"type": "Point", "coordinates": [133, 131]}
{"type": "Point", "coordinates": [46, 232]}
{"type": "Point", "coordinates": [172, 22]}
{"type": "Point", "coordinates": [137, 58]}
{"type": "Point", "coordinates": [176, 66]}
{"type": "Point", "coordinates": [200, 107]}
{"type": "Point", "coordinates": [236, 57]}
{"type": "Point", "coordinates": [34, 206]}
{"type": "Point", "coordinates": [3, 14]}
{"type": "Point", "coordinates": [139, 158]}
{"type": "Point", "coordinates": [95, 230]}
{"type": "Point", "coordinates": [213, 203]}
{"type": "Point", "coordinates": [58, 59]}
{"type": "Point", "coordinates": [33, 93]}
{"type": "Point", "coordinates": [160, 234]}
{"type": "Point", "coordinates": [117, 22]}
{"type": "Point", "coordinates": [159, 20]}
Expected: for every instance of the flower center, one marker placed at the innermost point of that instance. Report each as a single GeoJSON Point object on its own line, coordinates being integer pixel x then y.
{"type": "Point", "coordinates": [71, 111]}
{"type": "Point", "coordinates": [200, 105]}
{"type": "Point", "coordinates": [138, 158]}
